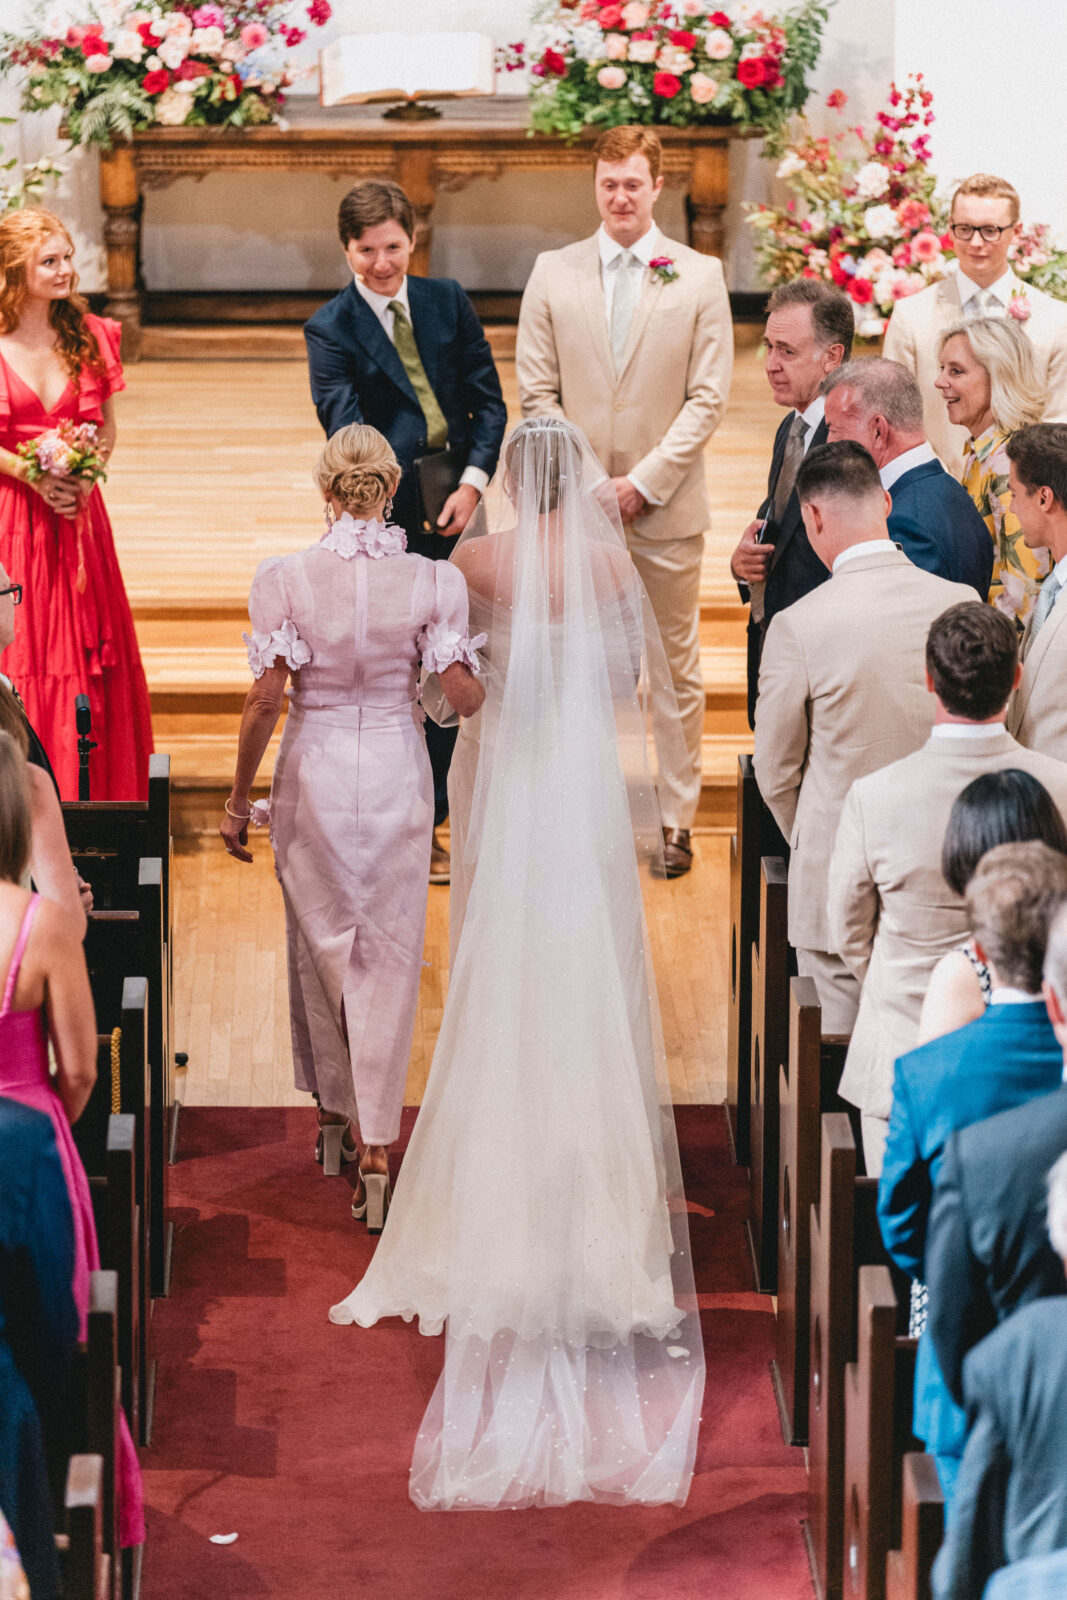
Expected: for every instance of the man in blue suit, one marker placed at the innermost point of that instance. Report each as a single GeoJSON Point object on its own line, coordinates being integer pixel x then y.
{"type": "Point", "coordinates": [408, 356]}
{"type": "Point", "coordinates": [878, 404]}
{"type": "Point", "coordinates": [1006, 1058]}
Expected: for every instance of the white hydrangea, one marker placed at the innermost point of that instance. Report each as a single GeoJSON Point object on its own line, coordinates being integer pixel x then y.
{"type": "Point", "coordinates": [172, 52]}
{"type": "Point", "coordinates": [881, 222]}
{"type": "Point", "coordinates": [790, 164]}
{"type": "Point", "coordinates": [129, 46]}
{"type": "Point", "coordinates": [872, 180]}
{"type": "Point", "coordinates": [588, 41]}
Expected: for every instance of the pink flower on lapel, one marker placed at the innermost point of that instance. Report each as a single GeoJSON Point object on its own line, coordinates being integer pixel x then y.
{"type": "Point", "coordinates": [1019, 306]}
{"type": "Point", "coordinates": [664, 268]}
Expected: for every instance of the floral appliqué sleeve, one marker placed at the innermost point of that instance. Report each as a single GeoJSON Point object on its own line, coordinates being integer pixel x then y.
{"type": "Point", "coordinates": [446, 638]}
{"type": "Point", "coordinates": [274, 633]}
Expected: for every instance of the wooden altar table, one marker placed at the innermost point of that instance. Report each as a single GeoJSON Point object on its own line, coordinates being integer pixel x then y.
{"type": "Point", "coordinates": [475, 138]}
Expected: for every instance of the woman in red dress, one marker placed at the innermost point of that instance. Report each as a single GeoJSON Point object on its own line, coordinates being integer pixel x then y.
{"type": "Point", "coordinates": [76, 635]}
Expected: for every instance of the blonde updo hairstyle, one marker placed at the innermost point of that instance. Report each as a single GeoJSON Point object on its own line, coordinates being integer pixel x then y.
{"type": "Point", "coordinates": [358, 469]}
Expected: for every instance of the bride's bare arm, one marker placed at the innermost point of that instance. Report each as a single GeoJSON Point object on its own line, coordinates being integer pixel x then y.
{"type": "Point", "coordinates": [462, 689]}
{"type": "Point", "coordinates": [263, 704]}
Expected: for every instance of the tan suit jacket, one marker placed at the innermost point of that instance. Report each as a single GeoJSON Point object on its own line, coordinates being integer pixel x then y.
{"type": "Point", "coordinates": [911, 339]}
{"type": "Point", "coordinates": [842, 692]}
{"type": "Point", "coordinates": [656, 416]}
{"type": "Point", "coordinates": [1037, 715]}
{"type": "Point", "coordinates": [892, 915]}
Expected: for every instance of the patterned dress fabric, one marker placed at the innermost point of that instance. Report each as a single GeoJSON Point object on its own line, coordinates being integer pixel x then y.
{"type": "Point", "coordinates": [1018, 571]}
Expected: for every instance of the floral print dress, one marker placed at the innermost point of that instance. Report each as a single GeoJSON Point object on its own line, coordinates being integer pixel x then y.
{"type": "Point", "coordinates": [1018, 571]}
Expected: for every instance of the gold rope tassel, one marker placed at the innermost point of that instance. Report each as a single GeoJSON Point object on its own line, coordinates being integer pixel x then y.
{"type": "Point", "coordinates": [116, 1087]}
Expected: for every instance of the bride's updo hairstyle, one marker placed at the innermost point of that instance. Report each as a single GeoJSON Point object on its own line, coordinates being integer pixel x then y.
{"type": "Point", "coordinates": [544, 441]}
{"type": "Point", "coordinates": [358, 469]}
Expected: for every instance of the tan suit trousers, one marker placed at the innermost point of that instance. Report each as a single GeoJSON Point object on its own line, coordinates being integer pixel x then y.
{"type": "Point", "coordinates": [670, 572]}
{"type": "Point", "coordinates": [838, 990]}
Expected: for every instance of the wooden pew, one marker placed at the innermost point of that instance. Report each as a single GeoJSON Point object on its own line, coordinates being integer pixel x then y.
{"type": "Point", "coordinates": [844, 1237]}
{"type": "Point", "coordinates": [807, 1087]}
{"type": "Point", "coordinates": [922, 1516]}
{"type": "Point", "coordinates": [102, 1394]}
{"type": "Point", "coordinates": [86, 1567]}
{"type": "Point", "coordinates": [108, 837]}
{"type": "Point", "coordinates": [744, 931]}
{"type": "Point", "coordinates": [770, 1042]}
{"type": "Point", "coordinates": [879, 1391]}
{"type": "Point", "coordinates": [118, 1228]}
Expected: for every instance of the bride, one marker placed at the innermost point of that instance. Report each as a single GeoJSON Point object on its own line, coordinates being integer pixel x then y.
{"type": "Point", "coordinates": [539, 1216]}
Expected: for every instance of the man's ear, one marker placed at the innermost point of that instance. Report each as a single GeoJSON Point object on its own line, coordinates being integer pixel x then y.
{"type": "Point", "coordinates": [888, 503]}
{"type": "Point", "coordinates": [1053, 1005]}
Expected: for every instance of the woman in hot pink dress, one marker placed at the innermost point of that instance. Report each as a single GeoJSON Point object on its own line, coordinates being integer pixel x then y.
{"type": "Point", "coordinates": [46, 996]}
{"type": "Point", "coordinates": [76, 635]}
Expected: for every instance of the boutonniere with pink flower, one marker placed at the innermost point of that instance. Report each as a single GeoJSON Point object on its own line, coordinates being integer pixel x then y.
{"type": "Point", "coordinates": [665, 269]}
{"type": "Point", "coordinates": [1019, 306]}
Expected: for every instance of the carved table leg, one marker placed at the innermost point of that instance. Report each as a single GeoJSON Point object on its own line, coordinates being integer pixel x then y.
{"type": "Point", "coordinates": [120, 196]}
{"type": "Point", "coordinates": [705, 203]}
{"type": "Point", "coordinates": [417, 179]}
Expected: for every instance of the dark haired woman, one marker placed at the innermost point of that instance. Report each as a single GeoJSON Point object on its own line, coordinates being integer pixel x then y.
{"type": "Point", "coordinates": [59, 363]}
{"type": "Point", "coordinates": [998, 808]}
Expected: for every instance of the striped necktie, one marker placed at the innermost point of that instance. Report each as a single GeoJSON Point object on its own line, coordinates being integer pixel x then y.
{"type": "Point", "coordinates": [1045, 601]}
{"type": "Point", "coordinates": [411, 361]}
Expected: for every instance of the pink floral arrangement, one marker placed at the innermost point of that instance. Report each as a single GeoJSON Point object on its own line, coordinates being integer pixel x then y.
{"type": "Point", "coordinates": [685, 62]}
{"type": "Point", "coordinates": [1039, 260]}
{"type": "Point", "coordinates": [863, 212]}
{"type": "Point", "coordinates": [127, 65]}
{"type": "Point", "coordinates": [69, 450]}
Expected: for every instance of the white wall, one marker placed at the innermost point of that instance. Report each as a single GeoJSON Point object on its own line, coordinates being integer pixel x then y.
{"type": "Point", "coordinates": [261, 232]}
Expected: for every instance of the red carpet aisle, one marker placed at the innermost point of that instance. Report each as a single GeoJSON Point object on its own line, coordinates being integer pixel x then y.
{"type": "Point", "coordinates": [297, 1435]}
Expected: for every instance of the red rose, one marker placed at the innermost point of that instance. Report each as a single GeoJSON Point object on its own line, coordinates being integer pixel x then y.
{"type": "Point", "coordinates": [719, 19]}
{"type": "Point", "coordinates": [156, 82]}
{"type": "Point", "coordinates": [684, 40]}
{"type": "Point", "coordinates": [861, 290]}
{"type": "Point", "coordinates": [610, 17]}
{"type": "Point", "coordinates": [150, 40]}
{"type": "Point", "coordinates": [553, 62]}
{"type": "Point", "coordinates": [752, 73]}
{"type": "Point", "coordinates": [93, 45]}
{"type": "Point", "coordinates": [232, 87]}
{"type": "Point", "coordinates": [194, 69]}
{"type": "Point", "coordinates": [666, 85]}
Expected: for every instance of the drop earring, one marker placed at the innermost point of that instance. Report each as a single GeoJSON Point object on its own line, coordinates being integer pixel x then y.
{"type": "Point", "coordinates": [388, 508]}
{"type": "Point", "coordinates": [327, 516]}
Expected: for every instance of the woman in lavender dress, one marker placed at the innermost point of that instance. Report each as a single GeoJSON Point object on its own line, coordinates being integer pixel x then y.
{"type": "Point", "coordinates": [351, 807]}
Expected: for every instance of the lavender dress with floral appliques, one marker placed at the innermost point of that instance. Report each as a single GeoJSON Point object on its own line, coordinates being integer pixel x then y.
{"type": "Point", "coordinates": [351, 809]}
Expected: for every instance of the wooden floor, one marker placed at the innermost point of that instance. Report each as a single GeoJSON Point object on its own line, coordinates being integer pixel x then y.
{"type": "Point", "coordinates": [211, 475]}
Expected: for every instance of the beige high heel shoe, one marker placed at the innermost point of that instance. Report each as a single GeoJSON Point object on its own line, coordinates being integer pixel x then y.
{"type": "Point", "coordinates": [375, 1203]}
{"type": "Point", "coordinates": [331, 1148]}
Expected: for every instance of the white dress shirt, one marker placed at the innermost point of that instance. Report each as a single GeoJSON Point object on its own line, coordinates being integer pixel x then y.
{"type": "Point", "coordinates": [966, 730]}
{"type": "Point", "coordinates": [866, 547]}
{"type": "Point", "coordinates": [1005, 995]}
{"type": "Point", "coordinates": [379, 304]}
{"type": "Point", "coordinates": [645, 249]}
{"type": "Point", "coordinates": [909, 459]}
{"type": "Point", "coordinates": [1002, 288]}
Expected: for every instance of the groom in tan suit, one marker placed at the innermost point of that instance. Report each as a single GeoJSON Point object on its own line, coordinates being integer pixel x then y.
{"type": "Point", "coordinates": [628, 335]}
{"type": "Point", "coordinates": [984, 286]}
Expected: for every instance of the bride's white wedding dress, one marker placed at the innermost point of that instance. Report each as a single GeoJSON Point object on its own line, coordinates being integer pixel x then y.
{"type": "Point", "coordinates": [539, 1216]}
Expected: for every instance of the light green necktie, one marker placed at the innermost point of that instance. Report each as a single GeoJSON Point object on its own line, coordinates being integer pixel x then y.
{"type": "Point", "coordinates": [411, 361]}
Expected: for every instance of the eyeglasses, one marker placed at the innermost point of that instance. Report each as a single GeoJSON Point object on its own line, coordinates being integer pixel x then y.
{"type": "Point", "coordinates": [965, 231]}
{"type": "Point", "coordinates": [15, 590]}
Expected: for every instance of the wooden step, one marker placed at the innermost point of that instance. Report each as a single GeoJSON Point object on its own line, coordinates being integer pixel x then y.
{"type": "Point", "coordinates": [260, 341]}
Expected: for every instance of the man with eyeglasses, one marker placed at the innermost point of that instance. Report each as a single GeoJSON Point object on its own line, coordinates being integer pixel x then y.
{"type": "Point", "coordinates": [984, 221]}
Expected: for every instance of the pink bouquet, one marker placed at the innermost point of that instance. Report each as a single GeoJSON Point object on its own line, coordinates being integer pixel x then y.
{"type": "Point", "coordinates": [67, 451]}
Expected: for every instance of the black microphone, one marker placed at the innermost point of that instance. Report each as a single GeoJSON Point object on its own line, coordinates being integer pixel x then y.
{"type": "Point", "coordinates": [83, 715]}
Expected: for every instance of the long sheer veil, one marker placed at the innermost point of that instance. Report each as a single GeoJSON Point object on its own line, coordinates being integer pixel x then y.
{"type": "Point", "coordinates": [539, 1214]}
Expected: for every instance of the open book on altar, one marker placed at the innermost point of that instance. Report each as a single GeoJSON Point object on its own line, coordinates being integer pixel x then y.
{"type": "Point", "coordinates": [406, 66]}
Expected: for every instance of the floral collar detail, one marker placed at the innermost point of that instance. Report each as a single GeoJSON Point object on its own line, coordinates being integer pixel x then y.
{"type": "Point", "coordinates": [986, 443]}
{"type": "Point", "coordinates": [1019, 306]}
{"type": "Point", "coordinates": [351, 536]}
{"type": "Point", "coordinates": [664, 268]}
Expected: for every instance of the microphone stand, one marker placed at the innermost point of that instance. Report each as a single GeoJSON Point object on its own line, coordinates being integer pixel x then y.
{"type": "Point", "coordinates": [83, 718]}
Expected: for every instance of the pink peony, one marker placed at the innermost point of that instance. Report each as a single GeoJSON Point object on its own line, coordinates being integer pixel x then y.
{"type": "Point", "coordinates": [702, 88]}
{"type": "Point", "coordinates": [925, 246]}
{"type": "Point", "coordinates": [209, 17]}
{"type": "Point", "coordinates": [611, 77]}
{"type": "Point", "coordinates": [616, 46]}
{"type": "Point", "coordinates": [718, 44]}
{"type": "Point", "coordinates": [178, 23]}
{"type": "Point", "coordinates": [692, 8]}
{"type": "Point", "coordinates": [254, 34]}
{"type": "Point", "coordinates": [97, 63]}
{"type": "Point", "coordinates": [635, 14]}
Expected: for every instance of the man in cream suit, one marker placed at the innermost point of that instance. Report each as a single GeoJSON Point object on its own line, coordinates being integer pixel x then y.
{"type": "Point", "coordinates": [892, 916]}
{"type": "Point", "coordinates": [628, 335]}
{"type": "Point", "coordinates": [1037, 476]}
{"type": "Point", "coordinates": [984, 286]}
{"type": "Point", "coordinates": [842, 690]}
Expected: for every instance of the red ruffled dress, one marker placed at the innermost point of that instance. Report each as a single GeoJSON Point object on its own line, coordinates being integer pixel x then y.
{"type": "Point", "coordinates": [69, 643]}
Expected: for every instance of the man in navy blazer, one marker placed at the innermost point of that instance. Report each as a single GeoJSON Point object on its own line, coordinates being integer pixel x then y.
{"type": "Point", "coordinates": [809, 332]}
{"type": "Point", "coordinates": [878, 404]}
{"type": "Point", "coordinates": [358, 374]}
{"type": "Point", "coordinates": [1006, 1058]}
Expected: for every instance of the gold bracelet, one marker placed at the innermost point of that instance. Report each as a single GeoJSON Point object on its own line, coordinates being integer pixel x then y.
{"type": "Point", "coordinates": [237, 816]}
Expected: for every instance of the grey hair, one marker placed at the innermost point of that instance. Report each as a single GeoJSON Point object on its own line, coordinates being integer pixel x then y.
{"type": "Point", "coordinates": [884, 389]}
{"type": "Point", "coordinates": [1055, 969]}
{"type": "Point", "coordinates": [1057, 1207]}
{"type": "Point", "coordinates": [1017, 395]}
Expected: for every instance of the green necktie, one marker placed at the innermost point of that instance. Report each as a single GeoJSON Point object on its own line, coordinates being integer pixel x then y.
{"type": "Point", "coordinates": [408, 351]}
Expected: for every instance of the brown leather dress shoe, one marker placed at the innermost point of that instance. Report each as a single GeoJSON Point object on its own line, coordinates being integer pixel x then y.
{"type": "Point", "coordinates": [677, 852]}
{"type": "Point", "coordinates": [440, 862]}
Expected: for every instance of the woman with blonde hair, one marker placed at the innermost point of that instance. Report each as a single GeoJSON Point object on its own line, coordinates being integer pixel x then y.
{"type": "Point", "coordinates": [60, 364]}
{"type": "Point", "coordinates": [989, 382]}
{"type": "Point", "coordinates": [351, 807]}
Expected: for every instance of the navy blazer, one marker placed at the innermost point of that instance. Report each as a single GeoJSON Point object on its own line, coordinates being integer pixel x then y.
{"type": "Point", "coordinates": [987, 1248]}
{"type": "Point", "coordinates": [937, 525]}
{"type": "Point", "coordinates": [38, 1326]}
{"type": "Point", "coordinates": [1008, 1056]}
{"type": "Point", "coordinates": [1011, 1494]}
{"type": "Point", "coordinates": [357, 376]}
{"type": "Point", "coordinates": [795, 568]}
